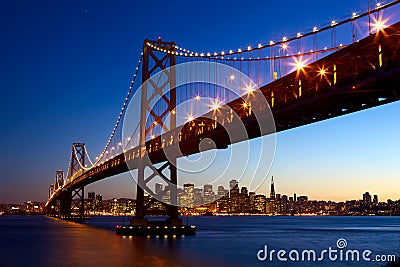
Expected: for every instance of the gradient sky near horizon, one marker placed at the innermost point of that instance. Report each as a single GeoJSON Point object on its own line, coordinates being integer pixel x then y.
{"type": "Point", "coordinates": [66, 66]}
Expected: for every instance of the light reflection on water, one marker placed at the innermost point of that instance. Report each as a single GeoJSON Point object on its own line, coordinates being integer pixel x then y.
{"type": "Point", "coordinates": [42, 241]}
{"type": "Point", "coordinates": [220, 241]}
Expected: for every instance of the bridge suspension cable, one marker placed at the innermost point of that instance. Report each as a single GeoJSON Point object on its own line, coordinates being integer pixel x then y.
{"type": "Point", "coordinates": [298, 54]}
{"type": "Point", "coordinates": [104, 152]}
{"type": "Point", "coordinates": [79, 162]}
{"type": "Point", "coordinates": [68, 170]}
{"type": "Point", "coordinates": [87, 155]}
{"type": "Point", "coordinates": [285, 39]}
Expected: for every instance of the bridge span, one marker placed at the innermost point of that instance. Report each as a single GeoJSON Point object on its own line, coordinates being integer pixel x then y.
{"type": "Point", "coordinates": [358, 76]}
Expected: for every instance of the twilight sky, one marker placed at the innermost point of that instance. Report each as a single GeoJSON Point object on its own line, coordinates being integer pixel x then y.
{"type": "Point", "coordinates": [66, 66]}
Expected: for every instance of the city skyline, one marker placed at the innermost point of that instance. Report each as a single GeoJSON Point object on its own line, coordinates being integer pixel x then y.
{"type": "Point", "coordinates": [222, 190]}
{"type": "Point", "coordinates": [327, 160]}
{"type": "Point", "coordinates": [236, 200]}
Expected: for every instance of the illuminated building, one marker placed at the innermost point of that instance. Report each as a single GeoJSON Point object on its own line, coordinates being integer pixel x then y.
{"type": "Point", "coordinates": [234, 197]}
{"type": "Point", "coordinates": [260, 204]}
{"type": "Point", "coordinates": [251, 201]}
{"type": "Point", "coordinates": [208, 193]}
{"type": "Point", "coordinates": [244, 202]}
{"type": "Point", "coordinates": [197, 197]}
{"type": "Point", "coordinates": [91, 201]}
{"type": "Point", "coordinates": [187, 198]}
{"type": "Point", "coordinates": [221, 191]}
{"type": "Point", "coordinates": [98, 203]}
{"type": "Point", "coordinates": [272, 207]}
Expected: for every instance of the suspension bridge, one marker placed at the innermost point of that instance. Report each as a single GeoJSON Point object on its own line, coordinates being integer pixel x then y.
{"type": "Point", "coordinates": [341, 67]}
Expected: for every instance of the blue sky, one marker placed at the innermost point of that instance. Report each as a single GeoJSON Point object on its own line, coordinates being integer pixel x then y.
{"type": "Point", "coordinates": [66, 67]}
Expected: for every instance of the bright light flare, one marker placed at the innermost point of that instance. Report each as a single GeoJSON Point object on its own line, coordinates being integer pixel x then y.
{"type": "Point", "coordinates": [322, 72]}
{"type": "Point", "coordinates": [249, 88]}
{"type": "Point", "coordinates": [232, 77]}
{"type": "Point", "coordinates": [197, 97]}
{"type": "Point", "coordinates": [378, 24]}
{"type": "Point", "coordinates": [299, 64]}
{"type": "Point", "coordinates": [285, 46]}
{"type": "Point", "coordinates": [215, 105]}
{"type": "Point", "coordinates": [190, 118]}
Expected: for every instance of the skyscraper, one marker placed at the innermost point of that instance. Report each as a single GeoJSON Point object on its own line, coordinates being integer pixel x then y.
{"type": "Point", "coordinates": [234, 196]}
{"type": "Point", "coordinates": [271, 203]}
{"type": "Point", "coordinates": [197, 196]}
{"type": "Point", "coordinates": [188, 195]}
{"type": "Point", "coordinates": [376, 199]}
{"type": "Point", "coordinates": [272, 192]}
{"type": "Point", "coordinates": [208, 194]}
{"type": "Point", "coordinates": [367, 198]}
{"type": "Point", "coordinates": [260, 204]}
{"type": "Point", "coordinates": [244, 201]}
{"type": "Point", "coordinates": [244, 191]}
{"type": "Point", "coordinates": [221, 191]}
{"type": "Point", "coordinates": [251, 201]}
{"type": "Point", "coordinates": [99, 202]}
{"type": "Point", "coordinates": [91, 200]}
{"type": "Point", "coordinates": [233, 183]}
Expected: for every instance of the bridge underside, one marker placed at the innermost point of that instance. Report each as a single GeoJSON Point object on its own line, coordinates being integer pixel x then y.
{"type": "Point", "coordinates": [363, 75]}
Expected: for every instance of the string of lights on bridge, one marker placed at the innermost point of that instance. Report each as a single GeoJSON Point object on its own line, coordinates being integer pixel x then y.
{"type": "Point", "coordinates": [226, 55]}
{"type": "Point", "coordinates": [105, 150]}
{"type": "Point", "coordinates": [284, 47]}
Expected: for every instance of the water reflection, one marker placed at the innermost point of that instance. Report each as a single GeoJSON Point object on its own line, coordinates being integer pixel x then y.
{"type": "Point", "coordinates": [220, 241]}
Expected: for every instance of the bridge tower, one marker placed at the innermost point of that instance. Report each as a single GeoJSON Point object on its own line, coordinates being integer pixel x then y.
{"type": "Point", "coordinates": [51, 190]}
{"type": "Point", "coordinates": [72, 202]}
{"type": "Point", "coordinates": [77, 164]}
{"type": "Point", "coordinates": [154, 62]}
{"type": "Point", "coordinates": [59, 179]}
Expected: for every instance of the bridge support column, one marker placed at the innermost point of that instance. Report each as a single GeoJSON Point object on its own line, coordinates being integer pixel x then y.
{"type": "Point", "coordinates": [173, 207]}
{"type": "Point", "coordinates": [154, 121]}
{"type": "Point", "coordinates": [78, 202]}
{"type": "Point", "coordinates": [65, 204]}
